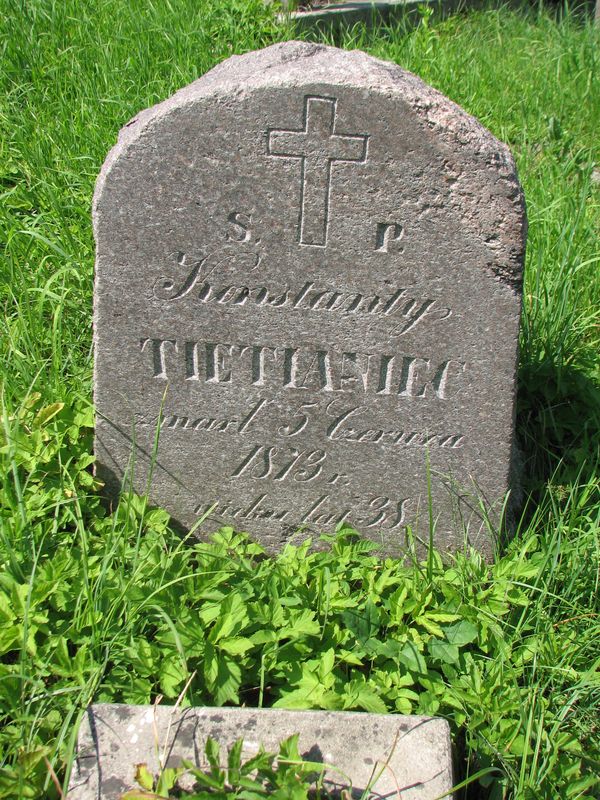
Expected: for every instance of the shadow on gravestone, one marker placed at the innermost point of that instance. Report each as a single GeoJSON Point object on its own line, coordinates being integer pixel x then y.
{"type": "Point", "coordinates": [308, 283]}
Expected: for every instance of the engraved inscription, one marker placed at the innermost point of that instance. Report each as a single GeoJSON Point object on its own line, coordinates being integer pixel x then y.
{"type": "Point", "coordinates": [348, 424]}
{"type": "Point", "coordinates": [303, 368]}
{"type": "Point", "coordinates": [317, 145]}
{"type": "Point", "coordinates": [399, 303]}
{"type": "Point", "coordinates": [378, 512]}
{"type": "Point", "coordinates": [275, 463]}
{"type": "Point", "coordinates": [256, 509]}
{"type": "Point", "coordinates": [199, 268]}
{"type": "Point", "coordinates": [209, 424]}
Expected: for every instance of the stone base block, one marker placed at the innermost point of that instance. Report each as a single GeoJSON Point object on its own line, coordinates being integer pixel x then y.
{"type": "Point", "coordinates": [398, 757]}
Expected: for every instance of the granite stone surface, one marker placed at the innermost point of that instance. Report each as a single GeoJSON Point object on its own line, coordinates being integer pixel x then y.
{"type": "Point", "coordinates": [114, 738]}
{"type": "Point", "coordinates": [308, 290]}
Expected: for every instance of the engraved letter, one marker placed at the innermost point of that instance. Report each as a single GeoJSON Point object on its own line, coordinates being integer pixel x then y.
{"type": "Point", "coordinates": [257, 362]}
{"type": "Point", "coordinates": [354, 372]}
{"type": "Point", "coordinates": [290, 367]}
{"type": "Point", "coordinates": [410, 365]}
{"type": "Point", "coordinates": [164, 288]}
{"type": "Point", "coordinates": [333, 429]}
{"type": "Point", "coordinates": [415, 314]}
{"type": "Point", "coordinates": [314, 459]}
{"type": "Point", "coordinates": [254, 457]}
{"type": "Point", "coordinates": [318, 374]}
{"type": "Point", "coordinates": [451, 440]}
{"type": "Point", "coordinates": [439, 382]}
{"type": "Point", "coordinates": [175, 422]}
{"type": "Point", "coordinates": [387, 233]}
{"type": "Point", "coordinates": [385, 374]}
{"type": "Point", "coordinates": [288, 430]}
{"type": "Point", "coordinates": [158, 355]}
{"type": "Point", "coordinates": [217, 371]}
{"type": "Point", "coordinates": [241, 227]}
{"type": "Point", "coordinates": [248, 419]}
{"type": "Point", "coordinates": [191, 361]}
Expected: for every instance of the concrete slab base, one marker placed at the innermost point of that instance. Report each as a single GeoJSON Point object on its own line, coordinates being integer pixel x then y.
{"type": "Point", "coordinates": [409, 757]}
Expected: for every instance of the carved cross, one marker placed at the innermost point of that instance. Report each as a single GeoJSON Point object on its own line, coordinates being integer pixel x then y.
{"type": "Point", "coordinates": [317, 146]}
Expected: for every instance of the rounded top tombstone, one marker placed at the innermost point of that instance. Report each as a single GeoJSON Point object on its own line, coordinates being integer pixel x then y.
{"type": "Point", "coordinates": [307, 303]}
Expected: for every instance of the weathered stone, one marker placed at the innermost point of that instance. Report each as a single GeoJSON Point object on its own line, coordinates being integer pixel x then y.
{"type": "Point", "coordinates": [309, 267]}
{"type": "Point", "coordinates": [114, 738]}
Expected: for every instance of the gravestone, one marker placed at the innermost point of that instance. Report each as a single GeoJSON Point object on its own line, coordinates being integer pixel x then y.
{"type": "Point", "coordinates": [307, 303]}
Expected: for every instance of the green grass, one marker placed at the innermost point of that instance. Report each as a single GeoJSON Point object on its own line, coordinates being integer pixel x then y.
{"type": "Point", "coordinates": [115, 607]}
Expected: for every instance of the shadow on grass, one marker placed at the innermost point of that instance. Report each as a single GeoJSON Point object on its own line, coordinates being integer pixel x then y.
{"type": "Point", "coordinates": [558, 426]}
